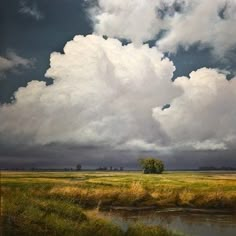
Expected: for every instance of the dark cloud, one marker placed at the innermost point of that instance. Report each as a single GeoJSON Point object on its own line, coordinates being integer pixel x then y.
{"type": "Point", "coordinates": [30, 9]}
{"type": "Point", "coordinates": [67, 156]}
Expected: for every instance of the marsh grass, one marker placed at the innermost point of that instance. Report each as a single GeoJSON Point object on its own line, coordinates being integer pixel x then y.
{"type": "Point", "coordinates": [137, 195]}
{"type": "Point", "coordinates": [25, 214]}
{"type": "Point", "coordinates": [54, 203]}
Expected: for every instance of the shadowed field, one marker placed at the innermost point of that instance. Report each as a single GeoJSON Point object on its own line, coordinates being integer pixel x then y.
{"type": "Point", "coordinates": [55, 203]}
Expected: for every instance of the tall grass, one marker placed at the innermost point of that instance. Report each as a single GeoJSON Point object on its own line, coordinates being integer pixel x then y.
{"type": "Point", "coordinates": [137, 195]}
{"type": "Point", "coordinates": [29, 213]}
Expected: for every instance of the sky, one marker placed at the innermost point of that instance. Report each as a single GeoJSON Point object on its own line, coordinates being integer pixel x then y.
{"type": "Point", "coordinates": [105, 82]}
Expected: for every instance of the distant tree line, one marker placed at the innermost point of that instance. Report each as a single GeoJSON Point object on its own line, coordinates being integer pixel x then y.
{"type": "Point", "coordinates": [104, 168]}
{"type": "Point", "coordinates": [216, 168]}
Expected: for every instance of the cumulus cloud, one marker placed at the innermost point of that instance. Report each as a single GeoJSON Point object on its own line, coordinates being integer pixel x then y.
{"type": "Point", "coordinates": [133, 19]}
{"type": "Point", "coordinates": [103, 95]}
{"type": "Point", "coordinates": [13, 62]}
{"type": "Point", "coordinates": [185, 22]}
{"type": "Point", "coordinates": [204, 116]}
{"type": "Point", "coordinates": [108, 95]}
{"type": "Point", "coordinates": [209, 23]}
{"type": "Point", "coordinates": [31, 10]}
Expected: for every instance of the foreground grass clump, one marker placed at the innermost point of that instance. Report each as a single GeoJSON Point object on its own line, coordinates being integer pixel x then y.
{"type": "Point", "coordinates": [25, 214]}
{"type": "Point", "coordinates": [99, 227]}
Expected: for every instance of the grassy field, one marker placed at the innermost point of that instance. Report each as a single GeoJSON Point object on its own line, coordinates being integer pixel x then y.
{"type": "Point", "coordinates": [55, 203]}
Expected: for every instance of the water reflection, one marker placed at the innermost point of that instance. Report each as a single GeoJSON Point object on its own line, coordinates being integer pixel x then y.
{"type": "Point", "coordinates": [188, 223]}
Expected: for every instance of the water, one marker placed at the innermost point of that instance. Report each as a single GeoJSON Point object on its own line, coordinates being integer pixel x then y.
{"type": "Point", "coordinates": [193, 224]}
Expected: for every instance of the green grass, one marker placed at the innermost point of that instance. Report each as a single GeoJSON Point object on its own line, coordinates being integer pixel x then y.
{"type": "Point", "coordinates": [53, 203]}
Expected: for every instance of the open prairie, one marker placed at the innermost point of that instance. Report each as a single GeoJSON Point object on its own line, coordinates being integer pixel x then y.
{"type": "Point", "coordinates": [58, 203]}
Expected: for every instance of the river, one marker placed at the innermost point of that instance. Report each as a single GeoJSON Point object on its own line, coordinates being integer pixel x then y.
{"type": "Point", "coordinates": [193, 224]}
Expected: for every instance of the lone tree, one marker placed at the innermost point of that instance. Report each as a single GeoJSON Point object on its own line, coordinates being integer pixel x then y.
{"type": "Point", "coordinates": [78, 167]}
{"type": "Point", "coordinates": [151, 165]}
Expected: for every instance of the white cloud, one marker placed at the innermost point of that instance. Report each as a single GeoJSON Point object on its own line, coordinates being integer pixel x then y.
{"type": "Point", "coordinates": [186, 22]}
{"type": "Point", "coordinates": [103, 94]}
{"type": "Point", "coordinates": [30, 10]}
{"type": "Point", "coordinates": [141, 145]}
{"type": "Point", "coordinates": [106, 94]}
{"type": "Point", "coordinates": [204, 116]}
{"type": "Point", "coordinates": [202, 23]}
{"type": "Point", "coordinates": [209, 145]}
{"type": "Point", "coordinates": [12, 62]}
{"type": "Point", "coordinates": [133, 19]}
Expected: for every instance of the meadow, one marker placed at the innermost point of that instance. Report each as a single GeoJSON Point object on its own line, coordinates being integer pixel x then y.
{"type": "Point", "coordinates": [60, 203]}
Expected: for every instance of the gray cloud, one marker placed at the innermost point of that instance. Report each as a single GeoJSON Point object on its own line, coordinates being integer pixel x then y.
{"type": "Point", "coordinates": [13, 62]}
{"type": "Point", "coordinates": [30, 9]}
{"type": "Point", "coordinates": [67, 156]}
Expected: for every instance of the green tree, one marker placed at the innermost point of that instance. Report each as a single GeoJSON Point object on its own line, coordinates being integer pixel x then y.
{"type": "Point", "coordinates": [151, 165]}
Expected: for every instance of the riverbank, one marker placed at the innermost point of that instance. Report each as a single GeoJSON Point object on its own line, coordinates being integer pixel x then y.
{"type": "Point", "coordinates": [169, 210]}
